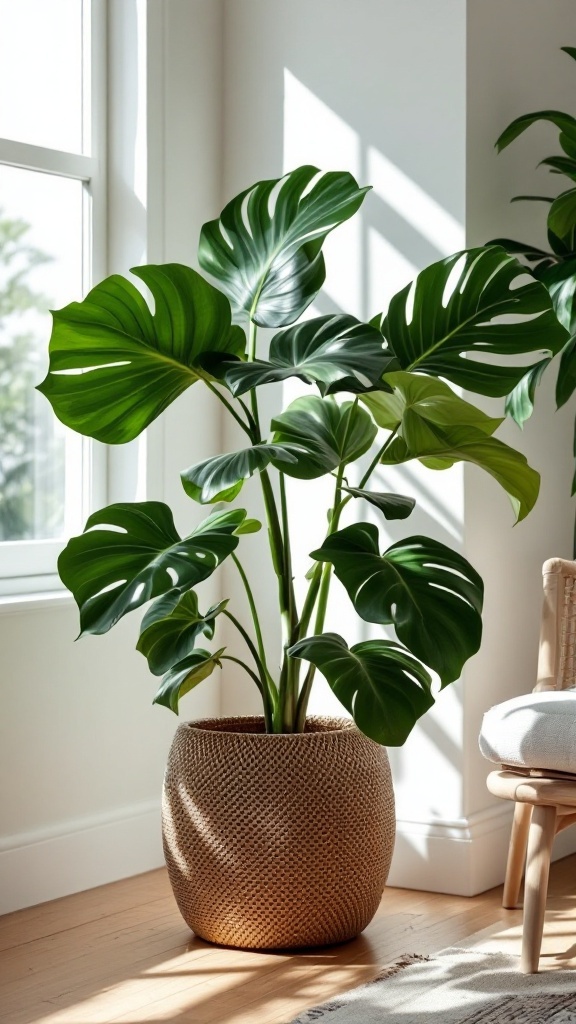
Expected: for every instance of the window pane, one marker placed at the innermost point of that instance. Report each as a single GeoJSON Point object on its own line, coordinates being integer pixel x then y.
{"type": "Point", "coordinates": [40, 269]}
{"type": "Point", "coordinates": [41, 72]}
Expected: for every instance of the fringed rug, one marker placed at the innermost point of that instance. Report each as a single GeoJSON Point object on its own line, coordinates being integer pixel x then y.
{"type": "Point", "coordinates": [456, 986]}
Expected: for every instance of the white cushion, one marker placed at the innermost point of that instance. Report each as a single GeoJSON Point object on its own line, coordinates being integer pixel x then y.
{"type": "Point", "coordinates": [536, 730]}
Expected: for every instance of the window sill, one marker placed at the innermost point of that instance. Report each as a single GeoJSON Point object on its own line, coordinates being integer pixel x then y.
{"type": "Point", "coordinates": [13, 604]}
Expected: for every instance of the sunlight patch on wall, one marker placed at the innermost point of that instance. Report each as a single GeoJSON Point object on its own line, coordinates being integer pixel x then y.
{"type": "Point", "coordinates": [315, 134]}
{"type": "Point", "coordinates": [388, 272]}
{"type": "Point", "coordinates": [414, 205]}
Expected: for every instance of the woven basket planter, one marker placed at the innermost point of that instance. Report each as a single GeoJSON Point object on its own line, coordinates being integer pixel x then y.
{"type": "Point", "coordinates": [277, 841]}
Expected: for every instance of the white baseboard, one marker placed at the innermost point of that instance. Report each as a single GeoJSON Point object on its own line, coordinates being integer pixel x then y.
{"type": "Point", "coordinates": [462, 857]}
{"type": "Point", "coordinates": [53, 862]}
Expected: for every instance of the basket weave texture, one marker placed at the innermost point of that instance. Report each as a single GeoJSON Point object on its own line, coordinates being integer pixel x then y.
{"type": "Point", "coordinates": [277, 841]}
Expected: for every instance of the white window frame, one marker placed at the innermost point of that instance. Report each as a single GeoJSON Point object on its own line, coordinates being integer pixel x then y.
{"type": "Point", "coordinates": [28, 566]}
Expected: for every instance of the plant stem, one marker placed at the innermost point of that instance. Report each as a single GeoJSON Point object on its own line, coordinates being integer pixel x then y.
{"type": "Point", "coordinates": [320, 584]}
{"type": "Point", "coordinates": [257, 628]}
{"type": "Point", "coordinates": [245, 426]}
{"type": "Point", "coordinates": [238, 661]}
{"type": "Point", "coordinates": [377, 458]}
{"type": "Point", "coordinates": [269, 696]}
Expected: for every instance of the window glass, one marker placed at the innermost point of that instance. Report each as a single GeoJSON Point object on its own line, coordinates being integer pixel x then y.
{"type": "Point", "coordinates": [41, 255]}
{"type": "Point", "coordinates": [41, 72]}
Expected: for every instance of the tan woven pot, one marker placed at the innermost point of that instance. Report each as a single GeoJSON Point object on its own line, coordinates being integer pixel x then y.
{"type": "Point", "coordinates": [274, 842]}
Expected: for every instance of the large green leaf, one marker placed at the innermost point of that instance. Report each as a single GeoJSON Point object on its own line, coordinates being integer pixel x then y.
{"type": "Point", "coordinates": [170, 627]}
{"type": "Point", "coordinates": [562, 218]}
{"type": "Point", "coordinates": [322, 435]}
{"type": "Point", "coordinates": [520, 402]}
{"type": "Point", "coordinates": [129, 364]}
{"type": "Point", "coordinates": [379, 683]}
{"type": "Point", "coordinates": [565, 122]}
{"type": "Point", "coordinates": [418, 404]}
{"type": "Point", "coordinates": [560, 165]}
{"type": "Point", "coordinates": [221, 478]}
{"type": "Point", "coordinates": [137, 555]}
{"type": "Point", "coordinates": [392, 506]}
{"type": "Point", "coordinates": [462, 305]}
{"type": "Point", "coordinates": [184, 676]}
{"type": "Point", "coordinates": [431, 595]}
{"type": "Point", "coordinates": [338, 353]}
{"type": "Point", "coordinates": [437, 427]}
{"type": "Point", "coordinates": [265, 248]}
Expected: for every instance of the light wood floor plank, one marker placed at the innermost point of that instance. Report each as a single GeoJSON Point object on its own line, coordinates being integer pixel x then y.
{"type": "Point", "coordinates": [121, 954]}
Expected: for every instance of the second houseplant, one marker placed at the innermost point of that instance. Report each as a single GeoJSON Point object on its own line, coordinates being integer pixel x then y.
{"type": "Point", "coordinates": [381, 395]}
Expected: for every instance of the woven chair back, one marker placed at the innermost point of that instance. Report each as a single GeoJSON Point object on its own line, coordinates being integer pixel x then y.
{"type": "Point", "coordinates": [557, 651]}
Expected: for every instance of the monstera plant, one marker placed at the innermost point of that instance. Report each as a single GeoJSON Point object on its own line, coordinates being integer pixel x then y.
{"type": "Point", "coordinates": [378, 394]}
{"type": "Point", "coordinates": [556, 267]}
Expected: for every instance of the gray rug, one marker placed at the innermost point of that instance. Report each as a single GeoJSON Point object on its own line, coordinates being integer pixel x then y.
{"type": "Point", "coordinates": [456, 986]}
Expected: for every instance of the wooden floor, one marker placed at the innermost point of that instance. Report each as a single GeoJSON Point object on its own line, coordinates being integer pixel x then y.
{"type": "Point", "coordinates": [122, 953]}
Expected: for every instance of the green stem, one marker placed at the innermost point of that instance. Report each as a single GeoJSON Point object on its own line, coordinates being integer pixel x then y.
{"type": "Point", "coordinates": [238, 661]}
{"type": "Point", "coordinates": [246, 427]}
{"type": "Point", "coordinates": [377, 458]}
{"type": "Point", "coordinates": [270, 698]}
{"type": "Point", "coordinates": [257, 628]}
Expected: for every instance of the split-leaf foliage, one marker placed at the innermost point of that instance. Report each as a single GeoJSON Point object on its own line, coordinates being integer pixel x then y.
{"type": "Point", "coordinates": [373, 394]}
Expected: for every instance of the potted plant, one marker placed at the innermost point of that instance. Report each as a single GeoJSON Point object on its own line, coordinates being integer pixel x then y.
{"type": "Point", "coordinates": [556, 268]}
{"type": "Point", "coordinates": [279, 831]}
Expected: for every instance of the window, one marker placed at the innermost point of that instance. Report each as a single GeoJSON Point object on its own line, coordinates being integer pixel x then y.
{"type": "Point", "coordinates": [51, 248]}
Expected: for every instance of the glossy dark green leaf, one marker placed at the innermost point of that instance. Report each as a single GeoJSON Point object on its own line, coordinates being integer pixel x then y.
{"type": "Point", "coordinates": [564, 122]}
{"type": "Point", "coordinates": [560, 280]}
{"type": "Point", "coordinates": [379, 683]}
{"type": "Point", "coordinates": [184, 676]}
{"type": "Point", "coordinates": [222, 477]}
{"type": "Point", "coordinates": [338, 353]}
{"type": "Point", "coordinates": [137, 554]}
{"type": "Point", "coordinates": [129, 364]}
{"type": "Point", "coordinates": [265, 249]}
{"type": "Point", "coordinates": [520, 402]}
{"type": "Point", "coordinates": [170, 627]}
{"type": "Point", "coordinates": [431, 594]}
{"type": "Point", "coordinates": [322, 435]}
{"type": "Point", "coordinates": [566, 380]}
{"type": "Point", "coordinates": [560, 165]}
{"type": "Point", "coordinates": [465, 304]}
{"type": "Point", "coordinates": [529, 252]}
{"type": "Point", "coordinates": [562, 218]}
{"type": "Point", "coordinates": [393, 506]}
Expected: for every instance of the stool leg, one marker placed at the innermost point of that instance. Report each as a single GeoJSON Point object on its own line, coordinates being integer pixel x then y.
{"type": "Point", "coordinates": [516, 855]}
{"type": "Point", "coordinates": [540, 839]}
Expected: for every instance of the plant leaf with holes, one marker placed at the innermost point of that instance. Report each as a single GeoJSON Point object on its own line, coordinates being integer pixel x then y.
{"type": "Point", "coordinates": [185, 675]}
{"type": "Point", "coordinates": [455, 307]}
{"type": "Point", "coordinates": [431, 594]}
{"type": "Point", "coordinates": [265, 248]}
{"type": "Point", "coordinates": [338, 353]}
{"type": "Point", "coordinates": [392, 506]}
{"type": "Point", "coordinates": [322, 435]}
{"type": "Point", "coordinates": [131, 553]}
{"type": "Point", "coordinates": [378, 682]}
{"type": "Point", "coordinates": [129, 363]}
{"type": "Point", "coordinates": [222, 477]}
{"type": "Point", "coordinates": [170, 627]}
